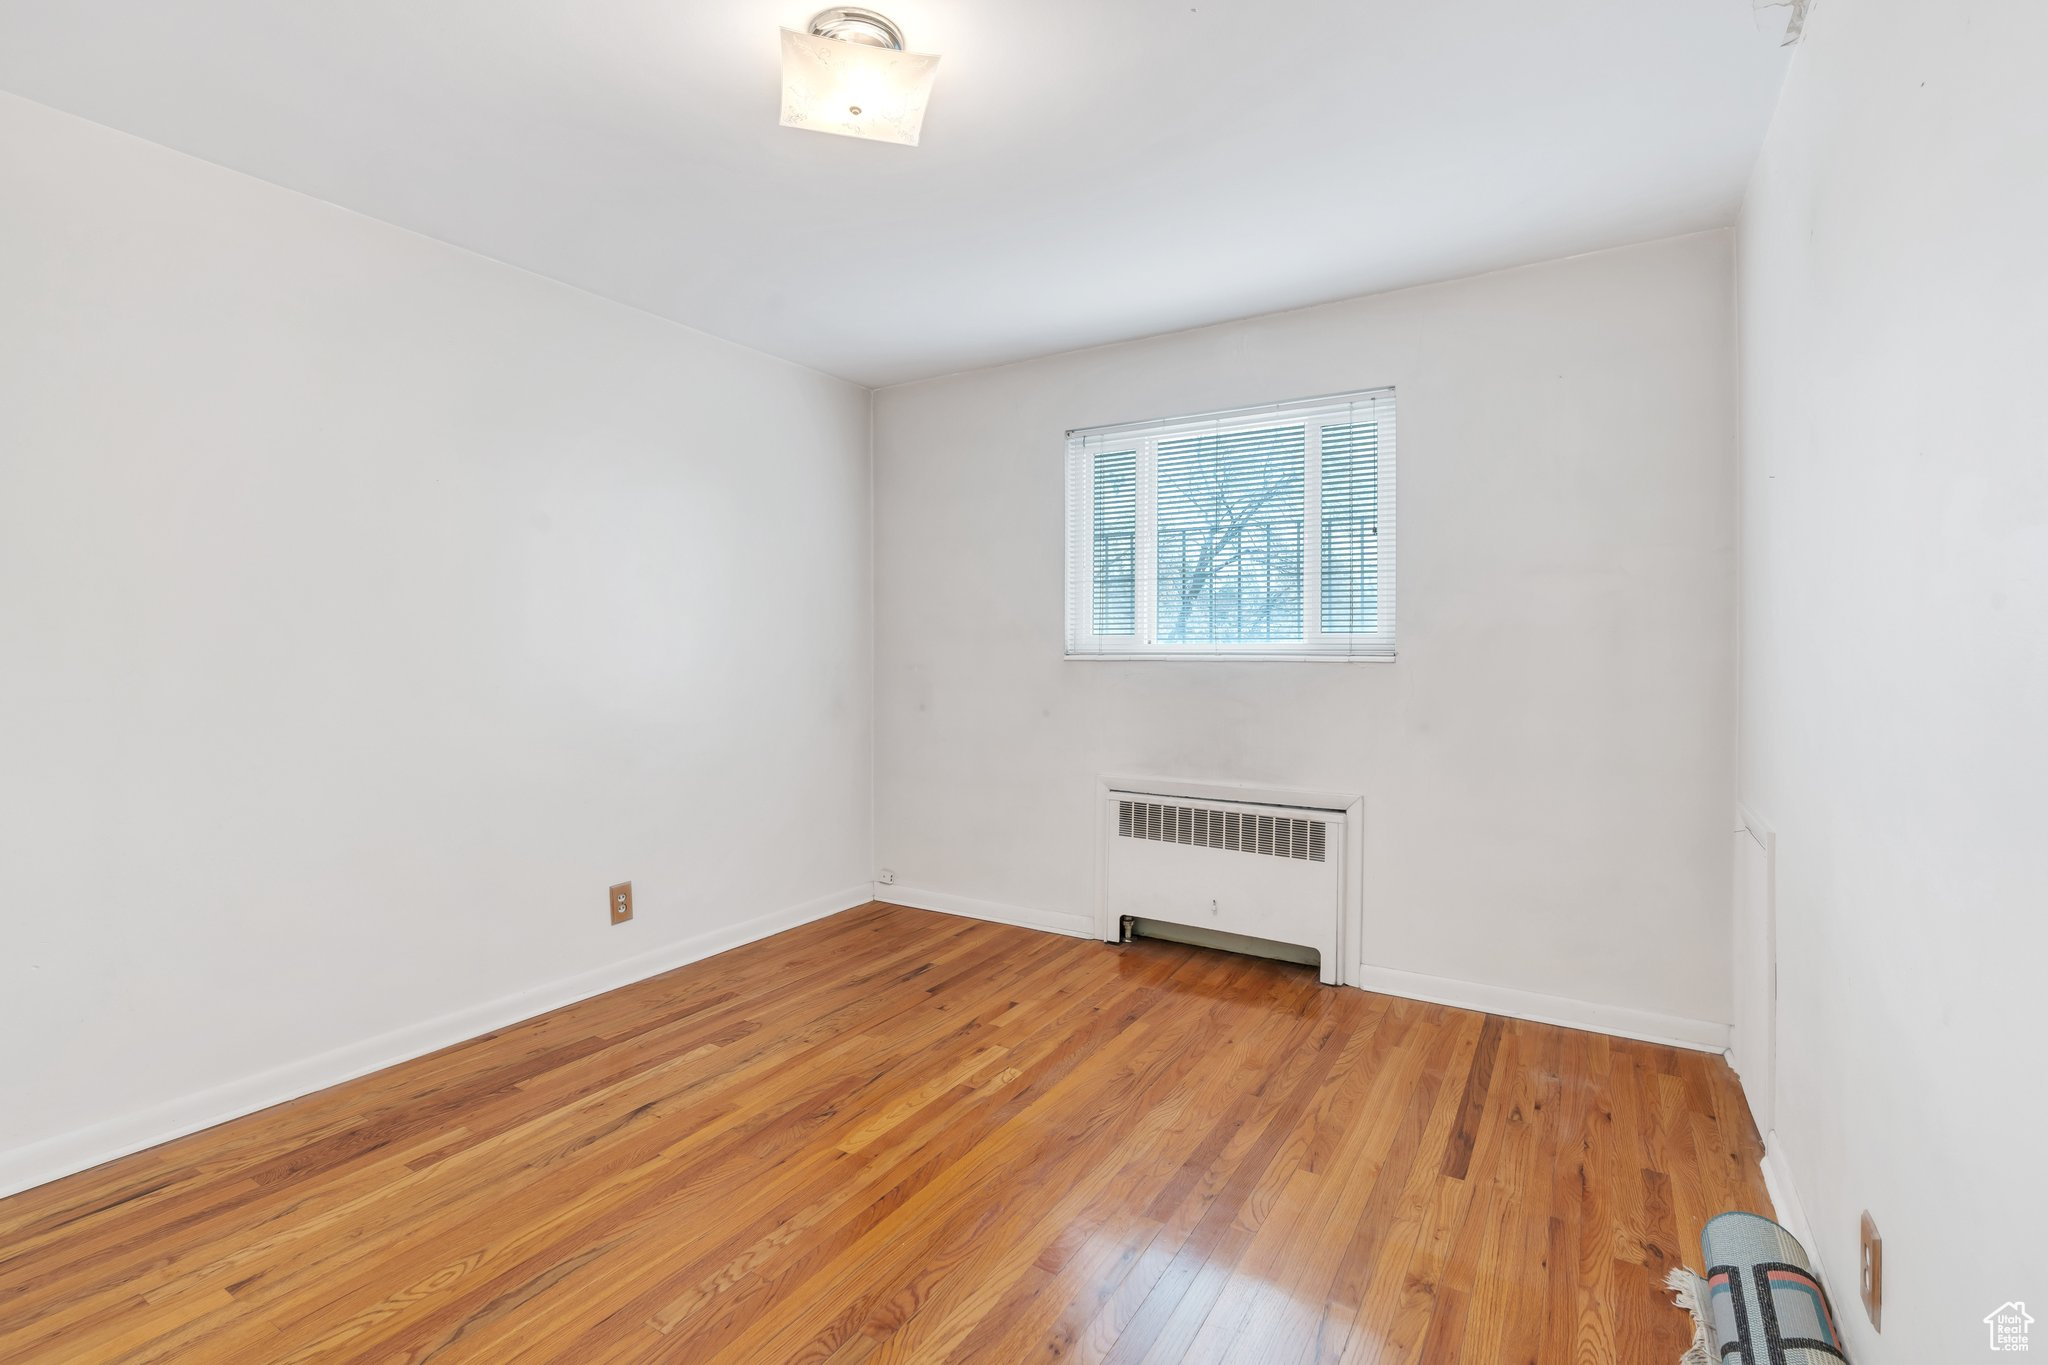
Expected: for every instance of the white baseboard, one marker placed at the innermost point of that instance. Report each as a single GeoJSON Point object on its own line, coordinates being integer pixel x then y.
{"type": "Point", "coordinates": [84, 1148]}
{"type": "Point", "coordinates": [1618, 1021]}
{"type": "Point", "coordinates": [1642, 1025]}
{"type": "Point", "coordinates": [1072, 923]}
{"type": "Point", "coordinates": [1785, 1199]}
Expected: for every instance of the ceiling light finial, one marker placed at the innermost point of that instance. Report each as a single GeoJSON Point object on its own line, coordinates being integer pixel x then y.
{"type": "Point", "coordinates": [850, 75]}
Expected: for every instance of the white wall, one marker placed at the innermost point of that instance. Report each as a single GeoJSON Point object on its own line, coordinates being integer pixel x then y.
{"type": "Point", "coordinates": [1547, 769]}
{"type": "Point", "coordinates": [366, 608]}
{"type": "Point", "coordinates": [1894, 299]}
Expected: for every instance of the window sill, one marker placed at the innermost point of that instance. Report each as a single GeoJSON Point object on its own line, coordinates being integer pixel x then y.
{"type": "Point", "coordinates": [1234, 657]}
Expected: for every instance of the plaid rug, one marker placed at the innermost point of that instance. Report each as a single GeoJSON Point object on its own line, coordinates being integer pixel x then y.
{"type": "Point", "coordinates": [1759, 1302]}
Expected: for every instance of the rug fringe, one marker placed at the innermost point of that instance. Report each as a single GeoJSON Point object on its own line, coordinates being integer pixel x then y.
{"type": "Point", "coordinates": [1686, 1293]}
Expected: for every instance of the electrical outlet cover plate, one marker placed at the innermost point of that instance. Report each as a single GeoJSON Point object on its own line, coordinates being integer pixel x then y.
{"type": "Point", "coordinates": [622, 902]}
{"type": "Point", "coordinates": [1871, 1280]}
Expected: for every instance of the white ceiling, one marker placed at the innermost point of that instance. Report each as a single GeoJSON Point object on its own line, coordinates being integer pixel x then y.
{"type": "Point", "coordinates": [1091, 170]}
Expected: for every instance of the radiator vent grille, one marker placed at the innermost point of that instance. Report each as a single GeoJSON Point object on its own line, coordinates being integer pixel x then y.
{"type": "Point", "coordinates": [1280, 836]}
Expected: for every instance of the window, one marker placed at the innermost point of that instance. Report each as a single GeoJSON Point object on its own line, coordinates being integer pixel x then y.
{"type": "Point", "coordinates": [1266, 533]}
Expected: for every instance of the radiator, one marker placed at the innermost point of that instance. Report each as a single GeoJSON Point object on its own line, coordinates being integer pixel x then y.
{"type": "Point", "coordinates": [1270, 872]}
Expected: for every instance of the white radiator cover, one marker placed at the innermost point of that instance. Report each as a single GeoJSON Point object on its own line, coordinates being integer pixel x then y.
{"type": "Point", "coordinates": [1244, 867]}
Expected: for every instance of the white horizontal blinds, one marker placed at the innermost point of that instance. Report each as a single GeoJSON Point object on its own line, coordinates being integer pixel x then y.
{"type": "Point", "coordinates": [1259, 533]}
{"type": "Point", "coordinates": [1114, 548]}
{"type": "Point", "coordinates": [1229, 537]}
{"type": "Point", "coordinates": [1350, 506]}
{"type": "Point", "coordinates": [1357, 559]}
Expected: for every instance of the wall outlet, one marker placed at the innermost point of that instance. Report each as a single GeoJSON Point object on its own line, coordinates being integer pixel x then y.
{"type": "Point", "coordinates": [885, 877]}
{"type": "Point", "coordinates": [622, 902]}
{"type": "Point", "coordinates": [1871, 1280]}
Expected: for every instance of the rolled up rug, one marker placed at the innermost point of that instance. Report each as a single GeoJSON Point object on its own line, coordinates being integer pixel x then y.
{"type": "Point", "coordinates": [1759, 1303]}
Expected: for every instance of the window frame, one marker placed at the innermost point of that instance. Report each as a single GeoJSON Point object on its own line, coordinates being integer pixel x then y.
{"type": "Point", "coordinates": [1083, 447]}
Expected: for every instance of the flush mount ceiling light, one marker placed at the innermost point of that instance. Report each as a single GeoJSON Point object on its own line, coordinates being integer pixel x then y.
{"type": "Point", "coordinates": [850, 75]}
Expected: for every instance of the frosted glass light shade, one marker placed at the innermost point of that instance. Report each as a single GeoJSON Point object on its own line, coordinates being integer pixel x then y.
{"type": "Point", "coordinates": [830, 85]}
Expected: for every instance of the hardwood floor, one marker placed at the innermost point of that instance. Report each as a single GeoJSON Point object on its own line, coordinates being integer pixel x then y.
{"type": "Point", "coordinates": [900, 1136]}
